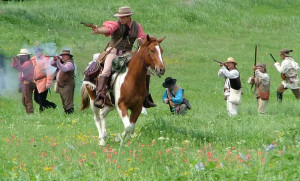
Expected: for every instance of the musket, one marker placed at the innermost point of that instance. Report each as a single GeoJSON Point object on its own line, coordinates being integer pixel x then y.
{"type": "Point", "coordinates": [91, 25]}
{"type": "Point", "coordinates": [273, 57]}
{"type": "Point", "coordinates": [254, 66]}
{"type": "Point", "coordinates": [218, 61]}
{"type": "Point", "coordinates": [282, 75]}
{"type": "Point", "coordinates": [51, 56]}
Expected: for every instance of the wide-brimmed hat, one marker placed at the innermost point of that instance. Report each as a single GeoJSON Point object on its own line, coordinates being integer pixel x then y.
{"type": "Point", "coordinates": [169, 82]}
{"type": "Point", "coordinates": [231, 60]}
{"type": "Point", "coordinates": [124, 11]}
{"type": "Point", "coordinates": [262, 65]}
{"type": "Point", "coordinates": [66, 52]}
{"type": "Point", "coordinates": [285, 52]}
{"type": "Point", "coordinates": [24, 51]}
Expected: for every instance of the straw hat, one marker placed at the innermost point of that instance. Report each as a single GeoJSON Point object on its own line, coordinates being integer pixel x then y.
{"type": "Point", "coordinates": [285, 52]}
{"type": "Point", "coordinates": [66, 52]}
{"type": "Point", "coordinates": [169, 82]}
{"type": "Point", "coordinates": [231, 60]}
{"type": "Point", "coordinates": [24, 51]}
{"type": "Point", "coordinates": [124, 11]}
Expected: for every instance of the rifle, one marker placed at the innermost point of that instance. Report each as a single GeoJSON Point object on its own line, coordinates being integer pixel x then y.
{"type": "Point", "coordinates": [218, 61]}
{"type": "Point", "coordinates": [51, 56]}
{"type": "Point", "coordinates": [91, 25]}
{"type": "Point", "coordinates": [282, 75]}
{"type": "Point", "coordinates": [254, 66]}
{"type": "Point", "coordinates": [273, 57]}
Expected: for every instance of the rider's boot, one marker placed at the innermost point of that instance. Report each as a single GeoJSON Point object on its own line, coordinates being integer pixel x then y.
{"type": "Point", "coordinates": [101, 91]}
{"type": "Point", "coordinates": [148, 102]}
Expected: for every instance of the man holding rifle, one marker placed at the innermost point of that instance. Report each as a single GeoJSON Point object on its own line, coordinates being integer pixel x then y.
{"type": "Point", "coordinates": [24, 66]}
{"type": "Point", "coordinates": [232, 86]}
{"type": "Point", "coordinates": [123, 34]}
{"type": "Point", "coordinates": [261, 80]}
{"type": "Point", "coordinates": [289, 71]}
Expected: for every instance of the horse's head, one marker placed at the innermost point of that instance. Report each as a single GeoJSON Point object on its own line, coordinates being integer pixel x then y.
{"type": "Point", "coordinates": [153, 55]}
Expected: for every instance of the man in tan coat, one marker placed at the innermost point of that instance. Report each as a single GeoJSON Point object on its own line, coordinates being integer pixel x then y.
{"type": "Point", "coordinates": [65, 79]}
{"type": "Point", "coordinates": [262, 86]}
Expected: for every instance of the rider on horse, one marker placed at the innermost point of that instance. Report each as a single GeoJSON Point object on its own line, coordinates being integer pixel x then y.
{"type": "Point", "coordinates": [123, 34]}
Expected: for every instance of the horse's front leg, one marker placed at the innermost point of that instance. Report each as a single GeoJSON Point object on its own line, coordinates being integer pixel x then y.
{"type": "Point", "coordinates": [128, 126]}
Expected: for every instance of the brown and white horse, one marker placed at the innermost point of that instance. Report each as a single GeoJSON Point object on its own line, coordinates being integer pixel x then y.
{"type": "Point", "coordinates": [129, 88]}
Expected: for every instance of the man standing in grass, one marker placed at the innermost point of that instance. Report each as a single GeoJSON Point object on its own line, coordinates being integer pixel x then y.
{"type": "Point", "coordinates": [289, 73]}
{"type": "Point", "coordinates": [173, 96]}
{"type": "Point", "coordinates": [43, 79]}
{"type": "Point", "coordinates": [24, 66]}
{"type": "Point", "coordinates": [123, 34]}
{"type": "Point", "coordinates": [262, 86]}
{"type": "Point", "coordinates": [232, 86]}
{"type": "Point", "coordinates": [65, 79]}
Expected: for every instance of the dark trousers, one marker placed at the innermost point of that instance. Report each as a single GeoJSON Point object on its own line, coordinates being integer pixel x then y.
{"type": "Point", "coordinates": [41, 99]}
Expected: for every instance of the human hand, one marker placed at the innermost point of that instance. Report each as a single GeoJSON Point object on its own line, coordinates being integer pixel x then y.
{"type": "Point", "coordinates": [166, 101]}
{"type": "Point", "coordinates": [95, 30]}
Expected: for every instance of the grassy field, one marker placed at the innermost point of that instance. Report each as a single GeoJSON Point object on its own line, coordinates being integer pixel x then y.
{"type": "Point", "coordinates": [205, 144]}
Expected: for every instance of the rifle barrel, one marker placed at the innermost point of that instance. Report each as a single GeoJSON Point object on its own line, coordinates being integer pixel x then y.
{"type": "Point", "coordinates": [272, 57]}
{"type": "Point", "coordinates": [217, 61]}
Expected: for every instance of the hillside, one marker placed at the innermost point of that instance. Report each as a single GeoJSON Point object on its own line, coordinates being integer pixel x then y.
{"type": "Point", "coordinates": [165, 146]}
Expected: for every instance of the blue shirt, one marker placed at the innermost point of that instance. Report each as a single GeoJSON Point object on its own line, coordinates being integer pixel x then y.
{"type": "Point", "coordinates": [177, 99]}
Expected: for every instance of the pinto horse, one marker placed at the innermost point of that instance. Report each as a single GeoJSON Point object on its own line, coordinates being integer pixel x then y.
{"type": "Point", "coordinates": [129, 88]}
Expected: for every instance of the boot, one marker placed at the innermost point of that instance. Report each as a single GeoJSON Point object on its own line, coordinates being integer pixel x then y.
{"type": "Point", "coordinates": [279, 97]}
{"type": "Point", "coordinates": [69, 111]}
{"type": "Point", "coordinates": [148, 102]}
{"type": "Point", "coordinates": [101, 91]}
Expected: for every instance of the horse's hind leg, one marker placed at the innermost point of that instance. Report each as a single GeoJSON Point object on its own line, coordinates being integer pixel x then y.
{"type": "Point", "coordinates": [98, 124]}
{"type": "Point", "coordinates": [103, 113]}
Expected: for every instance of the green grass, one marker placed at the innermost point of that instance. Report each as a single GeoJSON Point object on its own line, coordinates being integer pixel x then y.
{"type": "Point", "coordinates": [54, 146]}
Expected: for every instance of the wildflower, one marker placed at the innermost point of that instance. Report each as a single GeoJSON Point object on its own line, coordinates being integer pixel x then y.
{"type": "Point", "coordinates": [93, 153]}
{"type": "Point", "coordinates": [46, 168]}
{"type": "Point", "coordinates": [159, 153]}
{"type": "Point", "coordinates": [130, 169]}
{"type": "Point", "coordinates": [13, 137]}
{"type": "Point", "coordinates": [200, 166]}
{"type": "Point", "coordinates": [31, 140]}
{"type": "Point", "coordinates": [167, 150]}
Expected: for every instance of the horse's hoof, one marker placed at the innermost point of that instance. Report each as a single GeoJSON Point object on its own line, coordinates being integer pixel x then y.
{"type": "Point", "coordinates": [118, 138]}
{"type": "Point", "coordinates": [101, 143]}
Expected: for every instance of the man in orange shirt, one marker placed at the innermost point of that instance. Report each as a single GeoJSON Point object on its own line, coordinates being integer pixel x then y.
{"type": "Point", "coordinates": [43, 78]}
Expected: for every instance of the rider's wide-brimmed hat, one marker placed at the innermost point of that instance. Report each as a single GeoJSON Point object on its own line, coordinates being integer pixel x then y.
{"type": "Point", "coordinates": [124, 11]}
{"type": "Point", "coordinates": [285, 52]}
{"type": "Point", "coordinates": [24, 51]}
{"type": "Point", "coordinates": [231, 60]}
{"type": "Point", "coordinates": [169, 82]}
{"type": "Point", "coordinates": [66, 52]}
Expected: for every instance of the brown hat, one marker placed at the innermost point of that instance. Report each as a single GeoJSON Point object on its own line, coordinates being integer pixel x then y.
{"type": "Point", "coordinates": [285, 52]}
{"type": "Point", "coordinates": [66, 52]}
{"type": "Point", "coordinates": [231, 60]}
{"type": "Point", "coordinates": [124, 11]}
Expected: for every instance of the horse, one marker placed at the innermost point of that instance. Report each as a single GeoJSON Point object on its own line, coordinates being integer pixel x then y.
{"type": "Point", "coordinates": [129, 89]}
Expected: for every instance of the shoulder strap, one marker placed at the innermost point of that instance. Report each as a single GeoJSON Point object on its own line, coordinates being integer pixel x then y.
{"type": "Point", "coordinates": [107, 52]}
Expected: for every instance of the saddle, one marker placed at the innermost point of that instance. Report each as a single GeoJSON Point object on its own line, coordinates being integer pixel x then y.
{"type": "Point", "coordinates": [119, 65]}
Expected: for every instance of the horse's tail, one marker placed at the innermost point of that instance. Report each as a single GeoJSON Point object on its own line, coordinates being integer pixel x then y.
{"type": "Point", "coordinates": [85, 100]}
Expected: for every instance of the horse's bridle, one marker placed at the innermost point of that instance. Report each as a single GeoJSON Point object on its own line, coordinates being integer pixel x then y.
{"type": "Point", "coordinates": [153, 72]}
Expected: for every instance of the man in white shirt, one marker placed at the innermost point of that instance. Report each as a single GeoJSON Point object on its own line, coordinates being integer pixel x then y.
{"type": "Point", "coordinates": [232, 82]}
{"type": "Point", "coordinates": [289, 73]}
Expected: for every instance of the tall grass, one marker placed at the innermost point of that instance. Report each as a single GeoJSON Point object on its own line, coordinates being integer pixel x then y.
{"type": "Point", "coordinates": [54, 146]}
